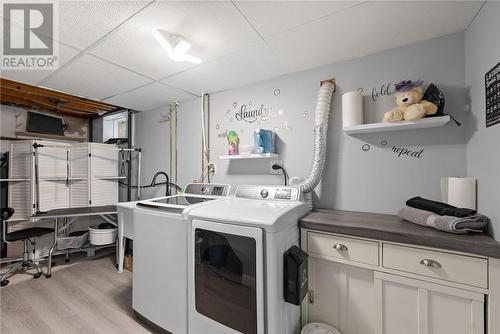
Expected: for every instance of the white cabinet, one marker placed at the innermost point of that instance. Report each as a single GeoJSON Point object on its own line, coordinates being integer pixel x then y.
{"type": "Point", "coordinates": [342, 296]}
{"type": "Point", "coordinates": [417, 307]}
{"type": "Point", "coordinates": [370, 286]}
{"type": "Point", "coordinates": [76, 175]}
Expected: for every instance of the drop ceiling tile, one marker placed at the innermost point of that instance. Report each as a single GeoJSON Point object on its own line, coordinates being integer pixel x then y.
{"type": "Point", "coordinates": [214, 28]}
{"type": "Point", "coordinates": [33, 77]}
{"type": "Point", "coordinates": [231, 71]}
{"type": "Point", "coordinates": [353, 32]}
{"type": "Point", "coordinates": [369, 28]}
{"type": "Point", "coordinates": [64, 54]}
{"type": "Point", "coordinates": [81, 23]}
{"type": "Point", "coordinates": [149, 97]}
{"type": "Point", "coordinates": [271, 17]}
{"type": "Point", "coordinates": [94, 78]}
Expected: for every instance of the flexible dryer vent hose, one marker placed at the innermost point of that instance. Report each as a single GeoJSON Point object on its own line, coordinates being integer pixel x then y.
{"type": "Point", "coordinates": [322, 113]}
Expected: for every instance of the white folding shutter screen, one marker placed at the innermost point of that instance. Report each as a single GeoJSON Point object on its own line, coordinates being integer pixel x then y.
{"type": "Point", "coordinates": [80, 184]}
{"type": "Point", "coordinates": [20, 167]}
{"type": "Point", "coordinates": [104, 173]}
{"type": "Point", "coordinates": [53, 176]}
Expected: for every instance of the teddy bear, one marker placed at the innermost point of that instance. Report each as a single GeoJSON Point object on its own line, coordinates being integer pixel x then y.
{"type": "Point", "coordinates": [410, 105]}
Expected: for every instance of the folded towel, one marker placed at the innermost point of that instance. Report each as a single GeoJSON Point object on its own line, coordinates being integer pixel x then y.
{"type": "Point", "coordinates": [442, 209]}
{"type": "Point", "coordinates": [459, 225]}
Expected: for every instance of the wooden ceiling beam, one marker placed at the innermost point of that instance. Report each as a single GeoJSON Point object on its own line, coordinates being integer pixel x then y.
{"type": "Point", "coordinates": [14, 99]}
{"type": "Point", "coordinates": [70, 105]}
{"type": "Point", "coordinates": [28, 102]}
{"type": "Point", "coordinates": [62, 103]}
{"type": "Point", "coordinates": [96, 105]}
{"type": "Point", "coordinates": [49, 92]}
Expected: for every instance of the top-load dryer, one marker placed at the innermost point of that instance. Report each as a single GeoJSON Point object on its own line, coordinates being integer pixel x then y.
{"type": "Point", "coordinates": [236, 258]}
{"type": "Point", "coordinates": [159, 288]}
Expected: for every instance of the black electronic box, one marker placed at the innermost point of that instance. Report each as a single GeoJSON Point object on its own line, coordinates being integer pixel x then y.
{"type": "Point", "coordinates": [295, 282]}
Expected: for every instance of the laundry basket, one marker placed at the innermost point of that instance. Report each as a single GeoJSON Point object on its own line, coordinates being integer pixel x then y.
{"type": "Point", "coordinates": [74, 240]}
{"type": "Point", "coordinates": [102, 234]}
{"type": "Point", "coordinates": [318, 328]}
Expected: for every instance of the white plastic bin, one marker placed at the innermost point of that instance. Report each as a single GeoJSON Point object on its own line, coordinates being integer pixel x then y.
{"type": "Point", "coordinates": [99, 237]}
{"type": "Point", "coordinates": [318, 328]}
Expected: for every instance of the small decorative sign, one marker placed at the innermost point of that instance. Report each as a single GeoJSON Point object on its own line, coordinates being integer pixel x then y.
{"type": "Point", "coordinates": [492, 86]}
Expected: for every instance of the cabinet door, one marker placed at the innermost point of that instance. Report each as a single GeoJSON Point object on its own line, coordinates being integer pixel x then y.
{"type": "Point", "coordinates": [416, 307]}
{"type": "Point", "coordinates": [20, 167]}
{"type": "Point", "coordinates": [104, 174]}
{"type": "Point", "coordinates": [80, 184]}
{"type": "Point", "coordinates": [342, 296]}
{"type": "Point", "coordinates": [53, 169]}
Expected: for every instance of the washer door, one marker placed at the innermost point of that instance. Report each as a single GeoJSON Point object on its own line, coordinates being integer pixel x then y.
{"type": "Point", "coordinates": [228, 276]}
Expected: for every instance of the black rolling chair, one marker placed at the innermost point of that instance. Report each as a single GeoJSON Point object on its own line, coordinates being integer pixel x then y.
{"type": "Point", "coordinates": [25, 235]}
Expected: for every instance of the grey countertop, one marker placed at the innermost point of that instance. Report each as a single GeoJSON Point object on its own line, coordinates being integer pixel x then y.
{"type": "Point", "coordinates": [391, 228]}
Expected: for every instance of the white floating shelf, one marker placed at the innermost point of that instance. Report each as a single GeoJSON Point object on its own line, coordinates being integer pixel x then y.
{"type": "Point", "coordinates": [423, 123]}
{"type": "Point", "coordinates": [249, 156]}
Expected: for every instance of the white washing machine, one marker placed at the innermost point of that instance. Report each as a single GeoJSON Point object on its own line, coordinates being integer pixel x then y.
{"type": "Point", "coordinates": [159, 288]}
{"type": "Point", "coordinates": [235, 267]}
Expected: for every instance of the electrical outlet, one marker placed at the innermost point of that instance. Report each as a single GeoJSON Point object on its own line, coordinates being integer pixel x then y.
{"type": "Point", "coordinates": [275, 171]}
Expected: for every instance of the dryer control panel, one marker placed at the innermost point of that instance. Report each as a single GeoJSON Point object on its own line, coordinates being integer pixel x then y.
{"type": "Point", "coordinates": [270, 193]}
{"type": "Point", "coordinates": [212, 189]}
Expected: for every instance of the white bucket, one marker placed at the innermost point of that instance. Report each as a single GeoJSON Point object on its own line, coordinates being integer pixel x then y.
{"type": "Point", "coordinates": [318, 328]}
{"type": "Point", "coordinates": [99, 237]}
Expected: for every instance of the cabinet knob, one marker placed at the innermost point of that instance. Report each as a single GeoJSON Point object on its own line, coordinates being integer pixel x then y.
{"type": "Point", "coordinates": [340, 247]}
{"type": "Point", "coordinates": [430, 263]}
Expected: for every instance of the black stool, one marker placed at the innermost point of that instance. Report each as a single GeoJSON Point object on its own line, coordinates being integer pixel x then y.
{"type": "Point", "coordinates": [25, 235]}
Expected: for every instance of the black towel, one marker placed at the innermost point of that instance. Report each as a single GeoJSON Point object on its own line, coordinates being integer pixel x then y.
{"type": "Point", "coordinates": [442, 209]}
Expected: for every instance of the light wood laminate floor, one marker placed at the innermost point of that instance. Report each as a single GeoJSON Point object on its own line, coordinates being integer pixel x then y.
{"type": "Point", "coordinates": [88, 297]}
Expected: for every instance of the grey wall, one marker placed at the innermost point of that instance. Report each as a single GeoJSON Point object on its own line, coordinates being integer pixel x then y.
{"type": "Point", "coordinates": [153, 137]}
{"type": "Point", "coordinates": [482, 45]}
{"type": "Point", "coordinates": [97, 130]}
{"type": "Point", "coordinates": [189, 142]}
{"type": "Point", "coordinates": [373, 181]}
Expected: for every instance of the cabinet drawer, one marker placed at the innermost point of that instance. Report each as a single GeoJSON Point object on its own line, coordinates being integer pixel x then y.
{"type": "Point", "coordinates": [451, 267]}
{"type": "Point", "coordinates": [350, 249]}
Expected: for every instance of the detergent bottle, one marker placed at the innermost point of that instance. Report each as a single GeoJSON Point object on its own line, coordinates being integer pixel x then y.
{"type": "Point", "coordinates": [233, 142]}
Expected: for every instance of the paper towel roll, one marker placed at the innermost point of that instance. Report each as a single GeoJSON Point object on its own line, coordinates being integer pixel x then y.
{"type": "Point", "coordinates": [462, 192]}
{"type": "Point", "coordinates": [352, 109]}
{"type": "Point", "coordinates": [443, 182]}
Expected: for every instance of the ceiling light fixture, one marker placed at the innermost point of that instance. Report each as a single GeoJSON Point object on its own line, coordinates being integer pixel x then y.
{"type": "Point", "coordinates": [176, 46]}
